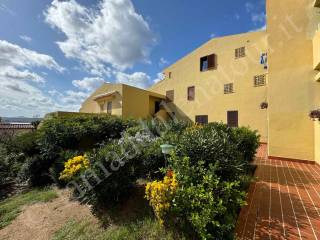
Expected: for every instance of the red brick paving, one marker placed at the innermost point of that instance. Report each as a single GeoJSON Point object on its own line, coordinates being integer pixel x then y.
{"type": "Point", "coordinates": [284, 202]}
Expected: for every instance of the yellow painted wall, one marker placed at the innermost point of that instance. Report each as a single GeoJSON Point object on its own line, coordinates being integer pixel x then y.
{"type": "Point", "coordinates": [131, 102]}
{"type": "Point", "coordinates": [316, 50]}
{"type": "Point", "coordinates": [209, 86]}
{"type": "Point", "coordinates": [91, 106]}
{"type": "Point", "coordinates": [292, 89]}
{"type": "Point", "coordinates": [138, 103]}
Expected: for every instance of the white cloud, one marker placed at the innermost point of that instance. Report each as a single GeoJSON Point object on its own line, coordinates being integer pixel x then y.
{"type": "Point", "coordinates": [12, 73]}
{"type": "Point", "coordinates": [257, 14]}
{"type": "Point", "coordinates": [258, 18]}
{"type": "Point", "coordinates": [160, 77]}
{"type": "Point", "coordinates": [88, 83]}
{"type": "Point", "coordinates": [21, 98]}
{"type": "Point", "coordinates": [73, 97]}
{"type": "Point", "coordinates": [137, 79]}
{"type": "Point", "coordinates": [249, 7]}
{"type": "Point", "coordinates": [15, 56]}
{"type": "Point", "coordinates": [19, 90]}
{"type": "Point", "coordinates": [4, 8]}
{"type": "Point", "coordinates": [263, 28]}
{"type": "Point", "coordinates": [25, 38]}
{"type": "Point", "coordinates": [213, 35]}
{"type": "Point", "coordinates": [112, 34]}
{"type": "Point", "coordinates": [163, 61]}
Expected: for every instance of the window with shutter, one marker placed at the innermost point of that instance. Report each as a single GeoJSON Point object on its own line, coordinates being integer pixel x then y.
{"type": "Point", "coordinates": [170, 96]}
{"type": "Point", "coordinates": [212, 61]}
{"type": "Point", "coordinates": [232, 118]}
{"type": "Point", "coordinates": [191, 93]}
{"type": "Point", "coordinates": [240, 52]}
{"type": "Point", "coordinates": [201, 119]}
{"type": "Point", "coordinates": [228, 88]}
{"type": "Point", "coordinates": [259, 80]}
{"type": "Point", "coordinates": [208, 62]}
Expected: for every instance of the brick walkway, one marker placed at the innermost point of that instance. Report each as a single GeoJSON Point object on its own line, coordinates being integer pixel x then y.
{"type": "Point", "coordinates": [284, 203]}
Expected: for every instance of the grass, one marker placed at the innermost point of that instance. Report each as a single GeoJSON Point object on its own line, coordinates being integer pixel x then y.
{"type": "Point", "coordinates": [131, 220]}
{"type": "Point", "coordinates": [11, 207]}
{"type": "Point", "coordinates": [147, 228]}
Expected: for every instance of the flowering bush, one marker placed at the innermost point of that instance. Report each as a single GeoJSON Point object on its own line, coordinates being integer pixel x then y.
{"type": "Point", "coordinates": [160, 194]}
{"type": "Point", "coordinates": [74, 166]}
{"type": "Point", "coordinates": [204, 205]}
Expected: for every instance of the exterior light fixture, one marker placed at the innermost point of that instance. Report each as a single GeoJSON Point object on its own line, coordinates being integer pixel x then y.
{"type": "Point", "coordinates": [315, 114]}
{"type": "Point", "coordinates": [166, 149]}
{"type": "Point", "coordinates": [264, 105]}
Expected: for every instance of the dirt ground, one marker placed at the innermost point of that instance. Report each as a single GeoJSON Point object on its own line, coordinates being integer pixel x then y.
{"type": "Point", "coordinates": [40, 221]}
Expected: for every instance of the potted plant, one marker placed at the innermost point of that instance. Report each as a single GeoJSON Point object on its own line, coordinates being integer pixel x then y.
{"type": "Point", "coordinates": [315, 115]}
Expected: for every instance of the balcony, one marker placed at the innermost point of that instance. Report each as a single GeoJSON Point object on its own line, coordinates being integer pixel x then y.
{"type": "Point", "coordinates": [317, 3]}
{"type": "Point", "coordinates": [316, 51]}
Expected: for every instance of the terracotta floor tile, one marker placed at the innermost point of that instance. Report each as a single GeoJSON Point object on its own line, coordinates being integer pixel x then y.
{"type": "Point", "coordinates": [284, 202]}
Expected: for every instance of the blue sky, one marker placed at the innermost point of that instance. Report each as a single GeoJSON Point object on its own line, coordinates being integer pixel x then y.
{"type": "Point", "coordinates": [53, 54]}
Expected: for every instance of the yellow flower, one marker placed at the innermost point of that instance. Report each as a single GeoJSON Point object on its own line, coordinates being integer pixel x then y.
{"type": "Point", "coordinates": [160, 194]}
{"type": "Point", "coordinates": [73, 166]}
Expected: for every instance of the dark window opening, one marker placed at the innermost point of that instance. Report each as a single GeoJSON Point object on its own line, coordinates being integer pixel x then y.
{"type": "Point", "coordinates": [191, 93]}
{"type": "Point", "coordinates": [201, 119]}
{"type": "Point", "coordinates": [169, 74]}
{"type": "Point", "coordinates": [170, 96]}
{"type": "Point", "coordinates": [232, 119]}
{"type": "Point", "coordinates": [109, 107]}
{"type": "Point", "coordinates": [156, 107]}
{"type": "Point", "coordinates": [208, 62]}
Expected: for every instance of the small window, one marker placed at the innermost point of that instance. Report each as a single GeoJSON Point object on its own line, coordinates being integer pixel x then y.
{"type": "Point", "coordinates": [232, 118]}
{"type": "Point", "coordinates": [109, 107]}
{"type": "Point", "coordinates": [204, 64]}
{"type": "Point", "coordinates": [202, 119]}
{"type": "Point", "coordinates": [169, 75]}
{"type": "Point", "coordinates": [191, 93]}
{"type": "Point", "coordinates": [170, 96]}
{"type": "Point", "coordinates": [259, 80]}
{"type": "Point", "coordinates": [228, 88]}
{"type": "Point", "coordinates": [240, 52]}
{"type": "Point", "coordinates": [208, 62]}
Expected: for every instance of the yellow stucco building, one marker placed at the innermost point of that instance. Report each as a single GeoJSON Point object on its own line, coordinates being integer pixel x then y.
{"type": "Point", "coordinates": [123, 100]}
{"type": "Point", "coordinates": [267, 80]}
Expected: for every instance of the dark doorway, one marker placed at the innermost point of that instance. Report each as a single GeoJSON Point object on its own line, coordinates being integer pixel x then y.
{"type": "Point", "coordinates": [156, 107]}
{"type": "Point", "coordinates": [232, 118]}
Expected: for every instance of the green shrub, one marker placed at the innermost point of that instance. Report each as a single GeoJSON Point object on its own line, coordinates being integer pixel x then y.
{"type": "Point", "coordinates": [229, 149]}
{"type": "Point", "coordinates": [110, 177]}
{"type": "Point", "coordinates": [212, 144]}
{"type": "Point", "coordinates": [159, 128]}
{"type": "Point", "coordinates": [25, 143]}
{"type": "Point", "coordinates": [204, 205]}
{"type": "Point", "coordinates": [50, 146]}
{"type": "Point", "coordinates": [5, 174]}
{"type": "Point", "coordinates": [247, 142]}
{"type": "Point", "coordinates": [14, 152]}
{"type": "Point", "coordinates": [33, 171]}
{"type": "Point", "coordinates": [211, 166]}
